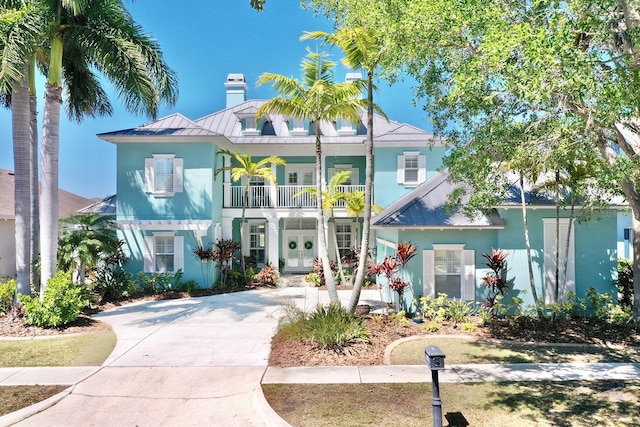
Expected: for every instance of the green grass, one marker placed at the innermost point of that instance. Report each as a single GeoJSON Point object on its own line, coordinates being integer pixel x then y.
{"type": "Point", "coordinates": [522, 404]}
{"type": "Point", "coordinates": [459, 351]}
{"type": "Point", "coordinates": [14, 398]}
{"type": "Point", "coordinates": [78, 350]}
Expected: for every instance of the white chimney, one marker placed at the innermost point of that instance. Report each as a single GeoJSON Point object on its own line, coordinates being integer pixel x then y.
{"type": "Point", "coordinates": [236, 89]}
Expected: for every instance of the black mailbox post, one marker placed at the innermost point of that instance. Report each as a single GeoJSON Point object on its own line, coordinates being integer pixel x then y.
{"type": "Point", "coordinates": [434, 358]}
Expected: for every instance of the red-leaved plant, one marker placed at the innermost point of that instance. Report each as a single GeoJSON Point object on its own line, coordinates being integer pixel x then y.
{"type": "Point", "coordinates": [495, 280]}
{"type": "Point", "coordinates": [391, 267]}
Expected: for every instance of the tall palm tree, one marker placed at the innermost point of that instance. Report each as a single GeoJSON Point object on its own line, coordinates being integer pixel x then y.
{"type": "Point", "coordinates": [21, 33]}
{"type": "Point", "coordinates": [317, 98]}
{"type": "Point", "coordinates": [332, 196]}
{"type": "Point", "coordinates": [248, 169]}
{"type": "Point", "coordinates": [362, 51]}
{"type": "Point", "coordinates": [86, 35]}
{"type": "Point", "coordinates": [355, 202]}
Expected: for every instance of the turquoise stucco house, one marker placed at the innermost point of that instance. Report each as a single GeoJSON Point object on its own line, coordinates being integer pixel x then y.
{"type": "Point", "coordinates": [169, 202]}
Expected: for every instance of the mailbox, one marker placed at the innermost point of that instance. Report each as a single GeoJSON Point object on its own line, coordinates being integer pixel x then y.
{"type": "Point", "coordinates": [434, 358]}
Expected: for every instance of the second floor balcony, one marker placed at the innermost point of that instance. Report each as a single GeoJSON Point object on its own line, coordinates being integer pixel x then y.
{"type": "Point", "coordinates": [282, 196]}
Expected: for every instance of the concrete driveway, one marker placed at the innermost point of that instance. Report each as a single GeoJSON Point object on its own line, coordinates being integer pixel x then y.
{"type": "Point", "coordinates": [184, 362]}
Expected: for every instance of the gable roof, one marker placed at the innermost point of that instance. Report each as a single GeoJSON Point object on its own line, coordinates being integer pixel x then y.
{"type": "Point", "coordinates": [106, 206]}
{"type": "Point", "coordinates": [426, 207]}
{"type": "Point", "coordinates": [68, 203]}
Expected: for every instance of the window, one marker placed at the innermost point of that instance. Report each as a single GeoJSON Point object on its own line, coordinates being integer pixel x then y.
{"type": "Point", "coordinates": [346, 127]}
{"type": "Point", "coordinates": [163, 174]}
{"type": "Point", "coordinates": [343, 237]}
{"type": "Point", "coordinates": [250, 126]}
{"type": "Point", "coordinates": [412, 169]}
{"type": "Point", "coordinates": [447, 273]}
{"type": "Point", "coordinates": [257, 240]}
{"type": "Point", "coordinates": [352, 179]}
{"type": "Point", "coordinates": [164, 253]}
{"type": "Point", "coordinates": [449, 269]}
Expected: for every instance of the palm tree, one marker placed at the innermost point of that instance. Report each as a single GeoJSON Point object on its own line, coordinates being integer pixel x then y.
{"type": "Point", "coordinates": [332, 196]}
{"type": "Point", "coordinates": [362, 50]}
{"type": "Point", "coordinates": [355, 202]}
{"type": "Point", "coordinates": [247, 169]}
{"type": "Point", "coordinates": [84, 241]}
{"type": "Point", "coordinates": [316, 98]}
{"type": "Point", "coordinates": [83, 36]}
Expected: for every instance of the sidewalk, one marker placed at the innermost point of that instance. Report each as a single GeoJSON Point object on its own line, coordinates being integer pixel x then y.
{"type": "Point", "coordinates": [208, 357]}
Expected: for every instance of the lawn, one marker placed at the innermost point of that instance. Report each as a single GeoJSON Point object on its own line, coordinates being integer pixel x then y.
{"type": "Point", "coordinates": [459, 351]}
{"type": "Point", "coordinates": [14, 398]}
{"type": "Point", "coordinates": [77, 350]}
{"type": "Point", "coordinates": [496, 404]}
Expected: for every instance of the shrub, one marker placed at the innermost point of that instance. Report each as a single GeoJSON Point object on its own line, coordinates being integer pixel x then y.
{"type": "Point", "coordinates": [157, 283]}
{"type": "Point", "coordinates": [469, 327]}
{"type": "Point", "coordinates": [268, 275]}
{"type": "Point", "coordinates": [112, 283]}
{"type": "Point", "coordinates": [313, 278]}
{"type": "Point", "coordinates": [433, 309]}
{"type": "Point", "coordinates": [624, 282]}
{"type": "Point", "coordinates": [458, 311]}
{"type": "Point", "coordinates": [604, 308]}
{"type": "Point", "coordinates": [7, 292]}
{"type": "Point", "coordinates": [61, 304]}
{"type": "Point", "coordinates": [431, 326]}
{"type": "Point", "coordinates": [332, 327]}
{"type": "Point", "coordinates": [188, 286]}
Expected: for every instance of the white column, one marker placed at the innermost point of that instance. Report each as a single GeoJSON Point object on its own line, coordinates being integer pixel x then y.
{"type": "Point", "coordinates": [227, 181]}
{"type": "Point", "coordinates": [273, 254]}
{"type": "Point", "coordinates": [273, 189]}
{"type": "Point", "coordinates": [227, 228]}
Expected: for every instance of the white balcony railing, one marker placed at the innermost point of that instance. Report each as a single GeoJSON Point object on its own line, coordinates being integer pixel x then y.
{"type": "Point", "coordinates": [285, 196]}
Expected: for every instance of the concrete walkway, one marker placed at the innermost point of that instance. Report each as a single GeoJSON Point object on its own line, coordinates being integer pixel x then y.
{"type": "Point", "coordinates": [201, 361]}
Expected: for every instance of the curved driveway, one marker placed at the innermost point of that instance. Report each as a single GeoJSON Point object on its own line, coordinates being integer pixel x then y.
{"type": "Point", "coordinates": [186, 362]}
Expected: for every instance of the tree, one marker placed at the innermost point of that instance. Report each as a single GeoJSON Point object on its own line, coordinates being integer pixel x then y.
{"type": "Point", "coordinates": [363, 50]}
{"type": "Point", "coordinates": [86, 240]}
{"type": "Point", "coordinates": [332, 196]}
{"type": "Point", "coordinates": [85, 36]}
{"type": "Point", "coordinates": [317, 98]}
{"type": "Point", "coordinates": [247, 169]}
{"type": "Point", "coordinates": [493, 64]}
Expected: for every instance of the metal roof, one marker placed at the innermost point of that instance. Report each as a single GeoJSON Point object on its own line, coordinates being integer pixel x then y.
{"type": "Point", "coordinates": [426, 206]}
{"type": "Point", "coordinates": [106, 206]}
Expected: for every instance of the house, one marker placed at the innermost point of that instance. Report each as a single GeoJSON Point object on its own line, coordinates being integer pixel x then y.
{"type": "Point", "coordinates": [170, 200]}
{"type": "Point", "coordinates": [68, 204]}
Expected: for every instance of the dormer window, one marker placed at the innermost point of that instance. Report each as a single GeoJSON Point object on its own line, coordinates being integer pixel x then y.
{"type": "Point", "coordinates": [298, 127]}
{"type": "Point", "coordinates": [250, 126]}
{"type": "Point", "coordinates": [346, 127]}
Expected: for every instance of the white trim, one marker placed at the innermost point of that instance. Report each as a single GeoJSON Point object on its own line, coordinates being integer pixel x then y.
{"type": "Point", "coordinates": [164, 224]}
{"type": "Point", "coordinates": [448, 247]}
{"type": "Point", "coordinates": [386, 243]}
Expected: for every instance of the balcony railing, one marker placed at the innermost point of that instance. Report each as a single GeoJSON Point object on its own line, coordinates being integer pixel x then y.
{"type": "Point", "coordinates": [285, 196]}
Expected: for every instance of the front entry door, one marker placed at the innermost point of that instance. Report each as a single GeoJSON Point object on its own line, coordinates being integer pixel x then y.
{"type": "Point", "coordinates": [301, 251]}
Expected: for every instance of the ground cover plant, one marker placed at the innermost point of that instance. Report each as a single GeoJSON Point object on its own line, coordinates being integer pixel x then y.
{"type": "Point", "coordinates": [497, 404]}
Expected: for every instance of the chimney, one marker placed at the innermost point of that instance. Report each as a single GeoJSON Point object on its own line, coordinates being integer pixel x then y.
{"type": "Point", "coordinates": [236, 89]}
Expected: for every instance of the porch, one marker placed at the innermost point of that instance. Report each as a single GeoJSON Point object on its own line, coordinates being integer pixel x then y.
{"type": "Point", "coordinates": [282, 196]}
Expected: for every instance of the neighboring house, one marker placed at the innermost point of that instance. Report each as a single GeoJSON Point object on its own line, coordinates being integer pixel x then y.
{"type": "Point", "coordinates": [169, 201]}
{"type": "Point", "coordinates": [69, 203]}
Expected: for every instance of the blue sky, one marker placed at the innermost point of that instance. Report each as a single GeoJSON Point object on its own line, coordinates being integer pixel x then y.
{"type": "Point", "coordinates": [202, 42]}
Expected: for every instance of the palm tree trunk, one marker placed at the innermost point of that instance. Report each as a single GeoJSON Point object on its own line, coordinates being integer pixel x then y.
{"type": "Point", "coordinates": [368, 201]}
{"type": "Point", "coordinates": [244, 207]}
{"type": "Point", "coordinates": [33, 170]}
{"type": "Point", "coordinates": [22, 158]}
{"type": "Point", "coordinates": [568, 241]}
{"type": "Point", "coordinates": [49, 178]}
{"type": "Point", "coordinates": [532, 281]}
{"type": "Point", "coordinates": [323, 252]}
{"type": "Point", "coordinates": [338, 259]}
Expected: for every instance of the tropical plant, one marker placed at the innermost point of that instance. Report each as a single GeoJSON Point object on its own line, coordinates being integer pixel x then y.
{"type": "Point", "coordinates": [332, 196]}
{"type": "Point", "coordinates": [247, 169]}
{"type": "Point", "coordinates": [206, 258]}
{"type": "Point", "coordinates": [363, 50]}
{"type": "Point", "coordinates": [624, 282]}
{"type": "Point", "coordinates": [332, 327]}
{"type": "Point", "coordinates": [317, 98]}
{"type": "Point", "coordinates": [62, 303]}
{"type": "Point", "coordinates": [85, 241]}
{"type": "Point", "coordinates": [392, 268]}
{"type": "Point", "coordinates": [268, 275]}
{"type": "Point", "coordinates": [7, 295]}
{"type": "Point", "coordinates": [79, 37]}
{"type": "Point", "coordinates": [223, 256]}
{"type": "Point", "coordinates": [495, 280]}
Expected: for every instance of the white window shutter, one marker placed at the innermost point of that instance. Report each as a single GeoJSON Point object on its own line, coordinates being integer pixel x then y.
{"type": "Point", "coordinates": [469, 275]}
{"type": "Point", "coordinates": [178, 253]}
{"type": "Point", "coordinates": [149, 250]}
{"type": "Point", "coordinates": [401, 169]}
{"type": "Point", "coordinates": [149, 184]}
{"type": "Point", "coordinates": [178, 172]}
{"type": "Point", "coordinates": [429, 278]}
{"type": "Point", "coordinates": [422, 168]}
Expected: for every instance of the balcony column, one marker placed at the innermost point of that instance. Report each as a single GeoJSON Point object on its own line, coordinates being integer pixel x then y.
{"type": "Point", "coordinates": [227, 182]}
{"type": "Point", "coordinates": [273, 189]}
{"type": "Point", "coordinates": [273, 253]}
